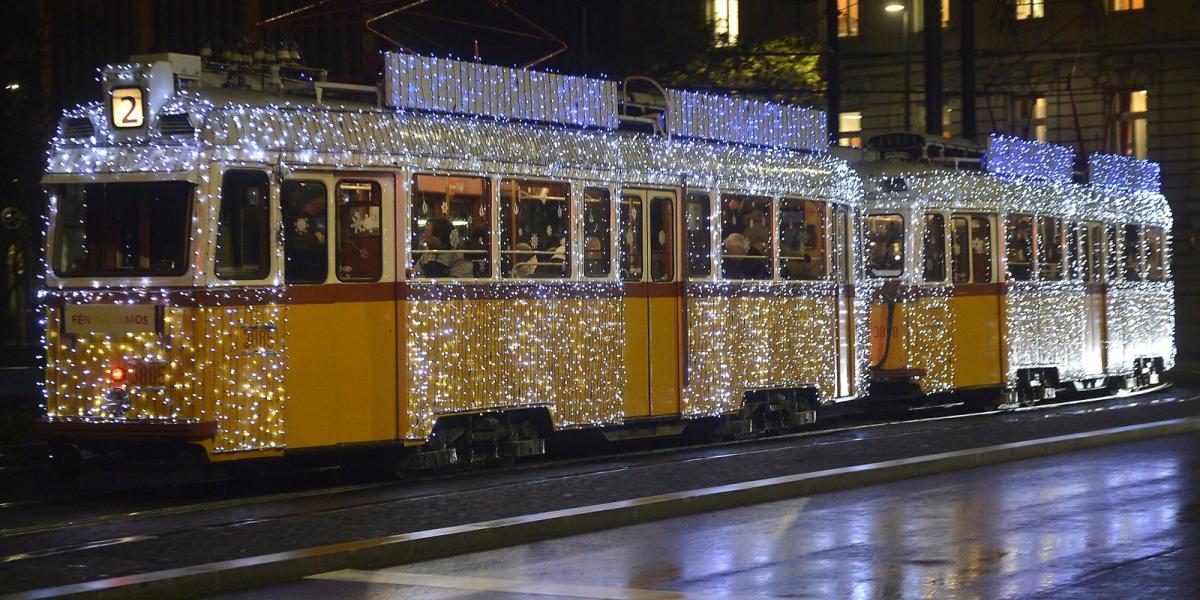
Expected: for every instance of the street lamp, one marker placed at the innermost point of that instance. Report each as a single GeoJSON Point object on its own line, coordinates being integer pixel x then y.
{"type": "Point", "coordinates": [901, 6]}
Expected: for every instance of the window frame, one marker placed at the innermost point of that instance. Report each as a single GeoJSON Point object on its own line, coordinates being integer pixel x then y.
{"type": "Point", "coordinates": [772, 254]}
{"type": "Point", "coordinates": [1033, 248]}
{"type": "Point", "coordinates": [1148, 255]}
{"type": "Point", "coordinates": [582, 237]}
{"type": "Point", "coordinates": [1139, 270]}
{"type": "Point", "coordinates": [57, 229]}
{"type": "Point", "coordinates": [850, 17]}
{"type": "Point", "coordinates": [571, 273]}
{"type": "Point", "coordinates": [1139, 145]}
{"type": "Point", "coordinates": [409, 219]}
{"type": "Point", "coordinates": [709, 231]}
{"type": "Point", "coordinates": [1114, 6]}
{"type": "Point", "coordinates": [946, 241]}
{"type": "Point", "coordinates": [1036, 8]}
{"type": "Point", "coordinates": [823, 211]}
{"type": "Point", "coordinates": [969, 217]}
{"type": "Point", "coordinates": [337, 205]}
{"type": "Point", "coordinates": [1062, 248]}
{"type": "Point", "coordinates": [870, 272]}
{"type": "Point", "coordinates": [307, 178]}
{"type": "Point", "coordinates": [272, 228]}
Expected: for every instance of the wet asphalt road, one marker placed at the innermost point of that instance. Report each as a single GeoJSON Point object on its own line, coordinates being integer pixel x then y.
{"type": "Point", "coordinates": [1117, 522]}
{"type": "Point", "coordinates": [86, 545]}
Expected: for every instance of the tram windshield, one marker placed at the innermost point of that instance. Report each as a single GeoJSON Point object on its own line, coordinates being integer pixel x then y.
{"type": "Point", "coordinates": [122, 229]}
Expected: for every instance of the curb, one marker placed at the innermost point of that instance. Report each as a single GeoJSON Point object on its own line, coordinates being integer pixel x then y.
{"type": "Point", "coordinates": [282, 567]}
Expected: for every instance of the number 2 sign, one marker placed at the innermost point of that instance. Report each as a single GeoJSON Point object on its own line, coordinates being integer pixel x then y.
{"type": "Point", "coordinates": [128, 109]}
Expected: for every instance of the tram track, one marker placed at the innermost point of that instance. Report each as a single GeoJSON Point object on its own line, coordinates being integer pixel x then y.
{"type": "Point", "coordinates": [606, 463]}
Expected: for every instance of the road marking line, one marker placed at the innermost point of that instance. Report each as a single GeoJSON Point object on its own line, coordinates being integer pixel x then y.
{"type": "Point", "coordinates": [513, 586]}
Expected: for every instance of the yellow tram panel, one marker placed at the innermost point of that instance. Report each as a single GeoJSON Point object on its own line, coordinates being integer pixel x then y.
{"type": "Point", "coordinates": [977, 333]}
{"type": "Point", "coordinates": [341, 373]}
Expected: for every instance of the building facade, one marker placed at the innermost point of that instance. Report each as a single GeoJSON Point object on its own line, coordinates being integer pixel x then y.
{"type": "Point", "coordinates": [1120, 76]}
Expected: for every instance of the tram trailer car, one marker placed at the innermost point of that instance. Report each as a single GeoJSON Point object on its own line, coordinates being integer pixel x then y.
{"type": "Point", "coordinates": [999, 280]}
{"type": "Point", "coordinates": [240, 268]}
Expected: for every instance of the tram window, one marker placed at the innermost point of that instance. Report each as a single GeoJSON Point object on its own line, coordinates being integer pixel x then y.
{"type": "Point", "coordinates": [629, 244]}
{"type": "Point", "coordinates": [699, 237]}
{"type": "Point", "coordinates": [451, 226]}
{"type": "Point", "coordinates": [536, 220]}
{"type": "Point", "coordinates": [360, 231]}
{"type": "Point", "coordinates": [1154, 253]}
{"type": "Point", "coordinates": [839, 244]}
{"type": "Point", "coordinates": [971, 248]}
{"type": "Point", "coordinates": [960, 246]}
{"type": "Point", "coordinates": [597, 232]}
{"type": "Point", "coordinates": [801, 239]}
{"type": "Point", "coordinates": [933, 249]}
{"type": "Point", "coordinates": [305, 231]}
{"type": "Point", "coordinates": [662, 238]}
{"type": "Point", "coordinates": [1092, 241]}
{"type": "Point", "coordinates": [1112, 239]}
{"type": "Point", "coordinates": [981, 249]}
{"type": "Point", "coordinates": [1075, 267]}
{"type": "Point", "coordinates": [746, 235]}
{"type": "Point", "coordinates": [1131, 251]}
{"type": "Point", "coordinates": [122, 229]}
{"type": "Point", "coordinates": [1019, 247]}
{"type": "Point", "coordinates": [243, 238]}
{"type": "Point", "coordinates": [885, 245]}
{"type": "Point", "coordinates": [1050, 248]}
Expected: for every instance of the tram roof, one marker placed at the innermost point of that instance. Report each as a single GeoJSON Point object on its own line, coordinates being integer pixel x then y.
{"type": "Point", "coordinates": [895, 184]}
{"type": "Point", "coordinates": [251, 126]}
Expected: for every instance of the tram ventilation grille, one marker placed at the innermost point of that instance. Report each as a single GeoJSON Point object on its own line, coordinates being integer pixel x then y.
{"type": "Point", "coordinates": [78, 127]}
{"type": "Point", "coordinates": [177, 124]}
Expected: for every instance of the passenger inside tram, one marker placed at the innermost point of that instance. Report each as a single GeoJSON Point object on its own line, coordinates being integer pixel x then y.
{"type": "Point", "coordinates": [438, 259]}
{"type": "Point", "coordinates": [741, 261]}
{"type": "Point", "coordinates": [745, 227]}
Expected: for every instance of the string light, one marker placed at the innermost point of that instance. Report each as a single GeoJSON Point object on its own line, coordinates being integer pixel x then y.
{"type": "Point", "coordinates": [1045, 321]}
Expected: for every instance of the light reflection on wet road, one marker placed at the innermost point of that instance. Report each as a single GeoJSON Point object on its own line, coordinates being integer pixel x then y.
{"type": "Point", "coordinates": [1117, 522]}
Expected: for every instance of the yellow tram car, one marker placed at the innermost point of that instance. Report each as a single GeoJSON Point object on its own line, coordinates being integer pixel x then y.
{"type": "Point", "coordinates": [472, 258]}
{"type": "Point", "coordinates": [995, 275]}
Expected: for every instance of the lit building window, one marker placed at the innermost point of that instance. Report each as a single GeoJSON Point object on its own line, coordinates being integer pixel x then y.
{"type": "Point", "coordinates": [724, 16]}
{"type": "Point", "coordinates": [1129, 126]}
{"type": "Point", "coordinates": [945, 13]}
{"type": "Point", "coordinates": [850, 129]}
{"type": "Point", "coordinates": [1117, 5]}
{"type": "Point", "coordinates": [1029, 116]}
{"type": "Point", "coordinates": [847, 18]}
{"type": "Point", "coordinates": [1031, 9]}
{"type": "Point", "coordinates": [947, 121]}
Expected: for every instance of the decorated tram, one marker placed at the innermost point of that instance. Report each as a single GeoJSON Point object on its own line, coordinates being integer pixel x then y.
{"type": "Point", "coordinates": [460, 261]}
{"type": "Point", "coordinates": [250, 262]}
{"type": "Point", "coordinates": [999, 278]}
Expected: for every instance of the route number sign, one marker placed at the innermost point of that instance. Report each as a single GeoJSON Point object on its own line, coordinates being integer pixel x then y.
{"type": "Point", "coordinates": [128, 108]}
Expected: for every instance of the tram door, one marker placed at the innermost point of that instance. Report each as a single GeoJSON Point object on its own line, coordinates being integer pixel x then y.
{"type": "Point", "coordinates": [647, 249]}
{"type": "Point", "coordinates": [1095, 335]}
{"type": "Point", "coordinates": [338, 263]}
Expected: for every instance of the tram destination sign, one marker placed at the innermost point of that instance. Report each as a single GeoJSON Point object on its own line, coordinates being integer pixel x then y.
{"type": "Point", "coordinates": [111, 319]}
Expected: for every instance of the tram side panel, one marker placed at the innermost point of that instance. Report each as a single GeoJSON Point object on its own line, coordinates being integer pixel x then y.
{"type": "Point", "coordinates": [745, 338]}
{"type": "Point", "coordinates": [1046, 328]}
{"type": "Point", "coordinates": [522, 347]}
{"type": "Point", "coordinates": [1140, 324]}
